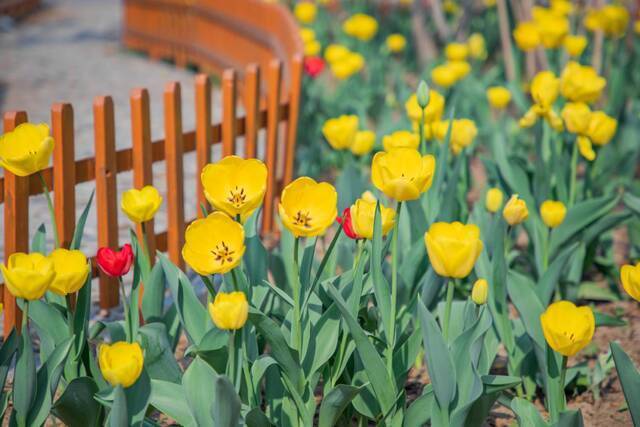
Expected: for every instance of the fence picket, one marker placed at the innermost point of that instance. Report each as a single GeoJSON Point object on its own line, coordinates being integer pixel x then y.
{"type": "Point", "coordinates": [64, 172]}
{"type": "Point", "coordinates": [274, 79]}
{"type": "Point", "coordinates": [203, 134]}
{"type": "Point", "coordinates": [229, 93]}
{"type": "Point", "coordinates": [106, 190]}
{"type": "Point", "coordinates": [174, 148]}
{"type": "Point", "coordinates": [252, 109]}
{"type": "Point", "coordinates": [16, 222]}
{"type": "Point", "coordinates": [292, 121]}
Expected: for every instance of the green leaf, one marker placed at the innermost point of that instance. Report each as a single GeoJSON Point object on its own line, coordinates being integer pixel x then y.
{"type": "Point", "coordinates": [528, 305]}
{"type": "Point", "coordinates": [439, 362]}
{"type": "Point", "coordinates": [159, 360]}
{"type": "Point", "coordinates": [383, 386]}
{"type": "Point", "coordinates": [199, 384]}
{"type": "Point", "coordinates": [256, 418]}
{"type": "Point", "coordinates": [496, 383]}
{"type": "Point", "coordinates": [226, 403]}
{"type": "Point", "coordinates": [24, 385]}
{"type": "Point", "coordinates": [323, 340]}
{"type": "Point", "coordinates": [629, 379]}
{"type": "Point", "coordinates": [419, 413]}
{"type": "Point", "coordinates": [603, 319]}
{"type": "Point", "coordinates": [138, 398]}
{"type": "Point", "coordinates": [76, 241]}
{"type": "Point", "coordinates": [118, 417]}
{"type": "Point", "coordinates": [76, 406]}
{"type": "Point", "coordinates": [335, 402]}
{"type": "Point", "coordinates": [527, 413]}
{"type": "Point", "coordinates": [380, 285]}
{"type": "Point", "coordinates": [169, 398]}
{"type": "Point", "coordinates": [154, 293]}
{"type": "Point", "coordinates": [39, 240]}
{"type": "Point", "coordinates": [548, 283]}
{"type": "Point", "coordinates": [571, 418]}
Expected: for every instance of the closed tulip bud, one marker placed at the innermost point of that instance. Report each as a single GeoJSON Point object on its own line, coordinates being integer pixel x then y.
{"type": "Point", "coordinates": [444, 76]}
{"type": "Point", "coordinates": [360, 26]}
{"type": "Point", "coordinates": [341, 131]}
{"type": "Point", "coordinates": [234, 185]}
{"type": "Point", "coordinates": [480, 292]}
{"type": "Point", "coordinates": [229, 311]}
{"type": "Point", "coordinates": [121, 363]}
{"type": "Point", "coordinates": [601, 128]}
{"type": "Point", "coordinates": [422, 94]}
{"type": "Point", "coordinates": [141, 205]}
{"type": "Point", "coordinates": [630, 278]}
{"type": "Point", "coordinates": [400, 139]}
{"type": "Point", "coordinates": [72, 270]}
{"type": "Point", "coordinates": [115, 263]}
{"type": "Point", "coordinates": [453, 248]}
{"type": "Point", "coordinates": [456, 51]}
{"type": "Point", "coordinates": [363, 142]}
{"type": "Point", "coordinates": [213, 245]}
{"type": "Point", "coordinates": [26, 149]}
{"type": "Point", "coordinates": [493, 200]}
{"type": "Point", "coordinates": [307, 208]}
{"type": "Point", "coordinates": [347, 224]}
{"type": "Point", "coordinates": [526, 36]}
{"type": "Point", "coordinates": [477, 46]}
{"type": "Point", "coordinates": [567, 328]}
{"type": "Point", "coordinates": [552, 213]}
{"type": "Point", "coordinates": [305, 12]}
{"type": "Point", "coordinates": [515, 211]}
{"type": "Point", "coordinates": [363, 215]}
{"type": "Point", "coordinates": [28, 276]}
{"type": "Point", "coordinates": [402, 173]}
{"type": "Point", "coordinates": [396, 43]}
{"type": "Point", "coordinates": [498, 97]}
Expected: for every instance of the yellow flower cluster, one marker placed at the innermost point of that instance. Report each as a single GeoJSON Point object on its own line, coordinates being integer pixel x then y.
{"type": "Point", "coordinates": [463, 132]}
{"type": "Point", "coordinates": [549, 28]}
{"type": "Point", "coordinates": [545, 88]}
{"type": "Point", "coordinates": [611, 19]}
{"type": "Point", "coordinates": [343, 62]}
{"type": "Point", "coordinates": [590, 127]}
{"type": "Point", "coordinates": [311, 45]}
{"type": "Point", "coordinates": [342, 133]}
{"type": "Point", "coordinates": [360, 26]}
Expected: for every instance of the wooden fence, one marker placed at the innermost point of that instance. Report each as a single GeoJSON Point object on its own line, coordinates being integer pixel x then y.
{"type": "Point", "coordinates": [270, 104]}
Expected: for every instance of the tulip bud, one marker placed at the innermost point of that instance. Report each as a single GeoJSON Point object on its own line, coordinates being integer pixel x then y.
{"type": "Point", "coordinates": [552, 213]}
{"type": "Point", "coordinates": [229, 311]}
{"type": "Point", "coordinates": [28, 276]}
{"type": "Point", "coordinates": [141, 205]}
{"type": "Point", "coordinates": [121, 363]}
{"type": "Point", "coordinates": [115, 263]}
{"type": "Point", "coordinates": [493, 200]}
{"type": "Point", "coordinates": [480, 292]}
{"type": "Point", "coordinates": [630, 278]}
{"type": "Point", "coordinates": [347, 224]}
{"type": "Point", "coordinates": [515, 211]}
{"type": "Point", "coordinates": [422, 94]}
{"type": "Point", "coordinates": [567, 328]}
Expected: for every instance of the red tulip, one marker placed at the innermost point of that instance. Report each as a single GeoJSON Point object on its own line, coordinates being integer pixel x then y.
{"type": "Point", "coordinates": [115, 263]}
{"type": "Point", "coordinates": [313, 65]}
{"type": "Point", "coordinates": [347, 226]}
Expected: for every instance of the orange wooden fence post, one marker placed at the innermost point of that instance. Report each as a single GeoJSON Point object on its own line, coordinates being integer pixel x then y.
{"type": "Point", "coordinates": [292, 121]}
{"type": "Point", "coordinates": [274, 78]}
{"type": "Point", "coordinates": [174, 148]}
{"type": "Point", "coordinates": [16, 222]}
{"type": "Point", "coordinates": [229, 91]}
{"type": "Point", "coordinates": [203, 134]}
{"type": "Point", "coordinates": [142, 154]}
{"type": "Point", "coordinates": [106, 198]}
{"type": "Point", "coordinates": [252, 109]}
{"type": "Point", "coordinates": [64, 172]}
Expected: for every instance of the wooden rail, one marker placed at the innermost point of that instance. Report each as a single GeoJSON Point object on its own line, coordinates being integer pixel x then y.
{"type": "Point", "coordinates": [269, 104]}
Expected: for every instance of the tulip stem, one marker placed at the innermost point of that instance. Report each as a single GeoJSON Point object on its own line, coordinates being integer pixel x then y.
{"type": "Point", "coordinates": [394, 292]}
{"type": "Point", "coordinates": [574, 167]}
{"type": "Point", "coordinates": [296, 321]}
{"type": "Point", "coordinates": [125, 307]}
{"type": "Point", "coordinates": [207, 282]}
{"type": "Point", "coordinates": [52, 213]}
{"type": "Point", "coordinates": [447, 310]}
{"type": "Point", "coordinates": [145, 243]}
{"type": "Point", "coordinates": [234, 279]}
{"type": "Point", "coordinates": [423, 144]}
{"type": "Point", "coordinates": [25, 317]}
{"type": "Point", "coordinates": [563, 375]}
{"type": "Point", "coordinates": [231, 360]}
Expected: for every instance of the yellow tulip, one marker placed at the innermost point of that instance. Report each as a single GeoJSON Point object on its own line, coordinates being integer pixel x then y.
{"type": "Point", "coordinates": [340, 132]}
{"type": "Point", "coordinates": [307, 35]}
{"type": "Point", "coordinates": [545, 89]}
{"type": "Point", "coordinates": [581, 83]}
{"type": "Point", "coordinates": [611, 19]}
{"type": "Point", "coordinates": [141, 205]}
{"type": "Point", "coordinates": [574, 45]}
{"type": "Point", "coordinates": [312, 48]}
{"type": "Point", "coordinates": [527, 36]}
{"type": "Point", "coordinates": [576, 116]}
{"type": "Point", "coordinates": [567, 328]}
{"type": "Point", "coordinates": [360, 26]}
{"type": "Point", "coordinates": [363, 142]}
{"type": "Point", "coordinates": [346, 67]}
{"type": "Point", "coordinates": [630, 278]}
{"type": "Point", "coordinates": [585, 148]}
{"type": "Point", "coordinates": [229, 311]}
{"type": "Point", "coordinates": [307, 208]}
{"type": "Point", "coordinates": [463, 132]}
{"type": "Point", "coordinates": [432, 113]}
{"type": "Point", "coordinates": [396, 43]}
{"type": "Point", "coordinates": [305, 12]}
{"type": "Point", "coordinates": [636, 26]}
{"type": "Point", "coordinates": [400, 139]}
{"type": "Point", "coordinates": [213, 245]}
{"type": "Point", "coordinates": [601, 128]}
{"type": "Point", "coordinates": [515, 211]}
{"type": "Point", "coordinates": [561, 7]}
{"type": "Point", "coordinates": [402, 173]}
{"type": "Point", "coordinates": [480, 292]}
{"type": "Point", "coordinates": [477, 46]}
{"type": "Point", "coordinates": [493, 200]}
{"type": "Point", "coordinates": [498, 97]}
{"type": "Point", "coordinates": [453, 248]}
{"type": "Point", "coordinates": [335, 52]}
{"type": "Point", "coordinates": [72, 270]}
{"type": "Point", "coordinates": [443, 76]}
{"type": "Point", "coordinates": [451, 7]}
{"type": "Point", "coordinates": [27, 149]}
{"type": "Point", "coordinates": [234, 185]}
{"type": "Point", "coordinates": [460, 69]}
{"type": "Point", "coordinates": [28, 276]}
{"type": "Point", "coordinates": [552, 213]}
{"type": "Point", "coordinates": [368, 196]}
{"type": "Point", "coordinates": [363, 214]}
{"type": "Point", "coordinates": [456, 51]}
{"type": "Point", "coordinates": [121, 363]}
{"type": "Point", "coordinates": [552, 27]}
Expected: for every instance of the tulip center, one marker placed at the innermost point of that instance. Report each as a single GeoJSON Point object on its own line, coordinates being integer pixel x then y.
{"type": "Point", "coordinates": [569, 335]}
{"type": "Point", "coordinates": [223, 253]}
{"type": "Point", "coordinates": [237, 197]}
{"type": "Point", "coordinates": [302, 219]}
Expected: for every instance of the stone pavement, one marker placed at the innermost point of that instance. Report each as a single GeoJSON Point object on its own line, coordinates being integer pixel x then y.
{"type": "Point", "coordinates": [69, 51]}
